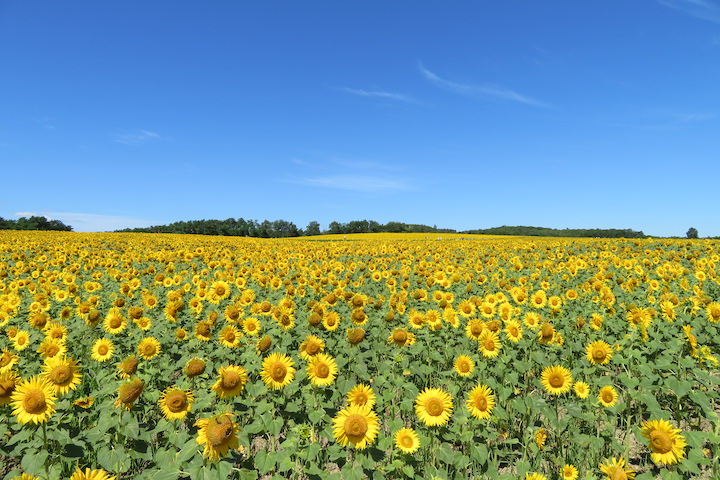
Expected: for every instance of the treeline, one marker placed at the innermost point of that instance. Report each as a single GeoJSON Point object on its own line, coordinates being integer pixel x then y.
{"type": "Point", "coordinates": [567, 232]}
{"type": "Point", "coordinates": [281, 228]}
{"type": "Point", "coordinates": [34, 223]}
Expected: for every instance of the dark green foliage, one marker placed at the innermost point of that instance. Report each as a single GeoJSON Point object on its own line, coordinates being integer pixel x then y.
{"type": "Point", "coordinates": [34, 223]}
{"type": "Point", "coordinates": [568, 232]}
{"type": "Point", "coordinates": [692, 233]}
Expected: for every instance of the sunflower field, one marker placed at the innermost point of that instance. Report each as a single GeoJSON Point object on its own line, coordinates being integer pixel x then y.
{"type": "Point", "coordinates": [385, 357]}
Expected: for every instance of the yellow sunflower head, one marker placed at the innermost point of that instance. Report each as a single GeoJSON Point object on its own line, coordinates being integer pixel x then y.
{"type": "Point", "coordinates": [464, 365]}
{"type": "Point", "coordinates": [615, 469]}
{"type": "Point", "coordinates": [277, 370]}
{"type": "Point", "coordinates": [489, 344]}
{"type": "Point", "coordinates": [407, 440]}
{"type": "Point", "coordinates": [8, 383]}
{"type": "Point", "coordinates": [322, 370]}
{"type": "Point", "coordinates": [231, 382]}
{"type": "Point", "coordinates": [148, 347]}
{"type": "Point", "coordinates": [480, 402]}
{"type": "Point", "coordinates": [91, 474]}
{"type": "Point", "coordinates": [556, 380]}
{"type": "Point", "coordinates": [102, 350]}
{"type": "Point", "coordinates": [666, 443]}
{"type": "Point", "coordinates": [129, 392]}
{"type": "Point", "coordinates": [33, 400]}
{"type": "Point", "coordinates": [433, 406]}
{"type": "Point", "coordinates": [581, 389]}
{"type": "Point", "coordinates": [361, 395]}
{"type": "Point", "coordinates": [598, 352]}
{"type": "Point", "coordinates": [63, 373]}
{"type": "Point", "coordinates": [569, 472]}
{"type": "Point", "coordinates": [608, 396]}
{"type": "Point", "coordinates": [311, 347]}
{"type": "Point", "coordinates": [218, 434]}
{"type": "Point", "coordinates": [356, 425]}
{"type": "Point", "coordinates": [175, 403]}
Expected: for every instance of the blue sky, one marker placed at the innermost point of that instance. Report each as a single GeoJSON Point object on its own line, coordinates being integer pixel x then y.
{"type": "Point", "coordinates": [564, 114]}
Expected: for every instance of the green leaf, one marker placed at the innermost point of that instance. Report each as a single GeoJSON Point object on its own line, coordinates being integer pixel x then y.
{"type": "Point", "coordinates": [33, 462]}
{"type": "Point", "coordinates": [409, 471]}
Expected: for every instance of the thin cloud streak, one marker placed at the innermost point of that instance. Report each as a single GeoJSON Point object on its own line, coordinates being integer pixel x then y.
{"type": "Point", "coordinates": [703, 9]}
{"type": "Point", "coordinates": [91, 222]}
{"type": "Point", "coordinates": [378, 93]}
{"type": "Point", "coordinates": [355, 183]}
{"type": "Point", "coordinates": [480, 90]}
{"type": "Point", "coordinates": [138, 137]}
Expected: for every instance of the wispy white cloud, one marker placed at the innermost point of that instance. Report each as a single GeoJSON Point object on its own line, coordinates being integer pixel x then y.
{"type": "Point", "coordinates": [90, 222]}
{"type": "Point", "coordinates": [703, 9]}
{"type": "Point", "coordinates": [356, 183]}
{"type": "Point", "coordinates": [485, 90]}
{"type": "Point", "coordinates": [378, 93]}
{"type": "Point", "coordinates": [134, 138]}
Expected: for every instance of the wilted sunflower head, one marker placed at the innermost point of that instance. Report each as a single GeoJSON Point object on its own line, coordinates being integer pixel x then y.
{"type": "Point", "coordinates": [264, 344]}
{"type": "Point", "coordinates": [355, 335]}
{"type": "Point", "coordinates": [128, 367]}
{"type": "Point", "coordinates": [195, 367]}
{"type": "Point", "coordinates": [129, 392]}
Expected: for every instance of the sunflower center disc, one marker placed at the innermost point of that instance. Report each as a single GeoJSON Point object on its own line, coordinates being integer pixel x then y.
{"type": "Point", "coordinates": [661, 442]}
{"type": "Point", "coordinates": [434, 407]}
{"type": "Point", "coordinates": [322, 371]}
{"type": "Point", "coordinates": [176, 402]}
{"type": "Point", "coordinates": [115, 322]}
{"type": "Point", "coordinates": [355, 425]}
{"type": "Point", "coordinates": [490, 344]}
{"type": "Point", "coordinates": [400, 336]}
{"type": "Point", "coordinates": [60, 374]}
{"type": "Point", "coordinates": [103, 350]}
{"type": "Point", "coordinates": [476, 329]}
{"type": "Point", "coordinates": [218, 432]}
{"type": "Point", "coordinates": [407, 441]}
{"type": "Point", "coordinates": [481, 403]}
{"type": "Point", "coordinates": [230, 380]}
{"type": "Point", "coordinates": [4, 360]}
{"type": "Point", "coordinates": [278, 372]}
{"type": "Point", "coordinates": [34, 402]}
{"type": "Point", "coordinates": [556, 381]}
{"type": "Point", "coordinates": [464, 367]}
{"type": "Point", "coordinates": [599, 354]}
{"type": "Point", "coordinates": [607, 397]}
{"type": "Point", "coordinates": [312, 348]}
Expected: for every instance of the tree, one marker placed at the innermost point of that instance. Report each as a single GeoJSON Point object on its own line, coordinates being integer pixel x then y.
{"type": "Point", "coordinates": [692, 233]}
{"type": "Point", "coordinates": [313, 228]}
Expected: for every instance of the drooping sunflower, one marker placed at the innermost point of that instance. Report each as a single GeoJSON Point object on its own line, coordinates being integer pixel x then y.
{"type": "Point", "coordinates": [311, 346]}
{"type": "Point", "coordinates": [148, 347]}
{"type": "Point", "coordinates": [94, 474]}
{"type": "Point", "coordinates": [556, 380]}
{"type": "Point", "coordinates": [356, 425]}
{"type": "Point", "coordinates": [464, 365]}
{"type": "Point", "coordinates": [361, 395]}
{"type": "Point", "coordinates": [433, 406]}
{"type": "Point", "coordinates": [102, 350]}
{"type": "Point", "coordinates": [489, 344]}
{"type": "Point", "coordinates": [175, 403]}
{"type": "Point", "coordinates": [598, 352]}
{"type": "Point", "coordinates": [203, 330]}
{"type": "Point", "coordinates": [230, 336]}
{"type": "Point", "coordinates": [231, 382]}
{"type": "Point", "coordinates": [218, 434]}
{"type": "Point", "coordinates": [480, 402]}
{"type": "Point", "coordinates": [355, 335]}
{"type": "Point", "coordinates": [63, 373]}
{"type": "Point", "coordinates": [581, 389]}
{"type": "Point", "coordinates": [608, 396]}
{"type": "Point", "coordinates": [84, 402]}
{"type": "Point", "coordinates": [407, 440]}
{"type": "Point", "coordinates": [401, 337]}
{"type": "Point", "coordinates": [615, 469]}
{"type": "Point", "coordinates": [8, 383]}
{"type": "Point", "coordinates": [33, 400]}
{"type": "Point", "coordinates": [666, 443]}
{"type": "Point", "coordinates": [569, 472]}
{"type": "Point", "coordinates": [194, 367]}
{"type": "Point", "coordinates": [128, 393]}
{"type": "Point", "coordinates": [277, 370]}
{"type": "Point", "coordinates": [7, 360]}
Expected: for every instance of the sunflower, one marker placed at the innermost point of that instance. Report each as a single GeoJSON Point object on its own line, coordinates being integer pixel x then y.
{"type": "Point", "coordinates": [263, 345]}
{"type": "Point", "coordinates": [474, 329]}
{"type": "Point", "coordinates": [401, 337]}
{"type": "Point", "coordinates": [546, 334]}
{"type": "Point", "coordinates": [407, 440]}
{"type": "Point", "coordinates": [143, 323]}
{"type": "Point", "coordinates": [666, 442]}
{"type": "Point", "coordinates": [128, 367]}
{"type": "Point", "coordinates": [489, 344]}
{"type": "Point", "coordinates": [534, 476]}
{"type": "Point", "coordinates": [218, 434]}
{"type": "Point", "coordinates": [52, 347]}
{"type": "Point", "coordinates": [251, 326]}
{"type": "Point", "coordinates": [416, 319]}
{"type": "Point", "coordinates": [598, 352]}
{"type": "Point", "coordinates": [21, 340]}
{"type": "Point", "coordinates": [356, 425]}
{"type": "Point", "coordinates": [322, 370]}
{"type": "Point", "coordinates": [608, 396]}
{"type": "Point", "coordinates": [466, 308]}
{"type": "Point", "coordinates": [433, 406]}
{"type": "Point", "coordinates": [7, 361]}
{"type": "Point", "coordinates": [181, 334]}
{"type": "Point", "coordinates": [231, 382]}
{"type": "Point", "coordinates": [148, 347]}
{"type": "Point", "coordinates": [114, 322]}
{"type": "Point", "coordinates": [480, 402]}
{"type": "Point", "coordinates": [277, 370]}
{"type": "Point", "coordinates": [355, 335]}
{"type": "Point", "coordinates": [25, 476]}
{"type": "Point", "coordinates": [540, 438]}
{"type": "Point", "coordinates": [8, 383]}
{"type": "Point", "coordinates": [194, 367]}
{"type": "Point", "coordinates": [175, 403]}
{"type": "Point", "coordinates": [129, 392]}
{"type": "Point", "coordinates": [33, 400]}
{"type": "Point", "coordinates": [581, 389]}
{"type": "Point", "coordinates": [230, 336]}
{"type": "Point", "coordinates": [311, 347]}
{"type": "Point", "coordinates": [88, 474]}
{"type": "Point", "coordinates": [219, 290]}
{"type": "Point", "coordinates": [615, 469]}
{"type": "Point", "coordinates": [556, 380]}
{"type": "Point", "coordinates": [532, 320]}
{"type": "Point", "coordinates": [102, 350]}
{"type": "Point", "coordinates": [713, 312]}
{"type": "Point", "coordinates": [63, 373]}
{"type": "Point", "coordinates": [513, 331]}
{"type": "Point", "coordinates": [361, 395]}
{"type": "Point", "coordinates": [569, 472]}
{"type": "Point", "coordinates": [538, 299]}
{"type": "Point", "coordinates": [84, 402]}
{"type": "Point", "coordinates": [56, 330]}
{"type": "Point", "coordinates": [203, 330]}
{"type": "Point", "coordinates": [464, 365]}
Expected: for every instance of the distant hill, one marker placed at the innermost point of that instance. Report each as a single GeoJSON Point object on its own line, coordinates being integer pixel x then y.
{"type": "Point", "coordinates": [567, 232]}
